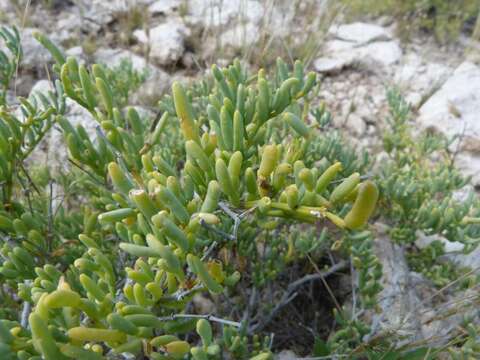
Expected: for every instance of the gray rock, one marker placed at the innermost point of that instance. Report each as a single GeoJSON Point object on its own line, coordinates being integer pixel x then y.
{"type": "Point", "coordinates": [241, 36]}
{"type": "Point", "coordinates": [356, 125]}
{"type": "Point", "coordinates": [34, 54]}
{"type": "Point", "coordinates": [214, 13]}
{"type": "Point", "coordinates": [113, 57]}
{"type": "Point", "coordinates": [164, 6]}
{"type": "Point", "coordinates": [375, 56]}
{"type": "Point", "coordinates": [410, 306]}
{"type": "Point", "coordinates": [453, 111]}
{"type": "Point", "coordinates": [93, 15]}
{"type": "Point", "coordinates": [469, 164]}
{"type": "Point", "coordinates": [453, 250]}
{"type": "Point", "coordinates": [471, 260]}
{"type": "Point", "coordinates": [360, 33]}
{"type": "Point", "coordinates": [414, 99]}
{"type": "Point", "coordinates": [329, 65]}
{"type": "Point", "coordinates": [69, 25]}
{"type": "Point", "coordinates": [121, 5]}
{"type": "Point", "coordinates": [144, 112]}
{"type": "Point", "coordinates": [150, 92]}
{"type": "Point", "coordinates": [463, 194]}
{"type": "Point", "coordinates": [166, 41]}
{"type": "Point", "coordinates": [77, 53]}
{"type": "Point", "coordinates": [41, 86]}
{"type": "Point", "coordinates": [286, 355]}
{"type": "Point", "coordinates": [337, 46]}
{"type": "Point", "coordinates": [384, 53]}
{"type": "Point", "coordinates": [424, 240]}
{"type": "Point", "coordinates": [6, 6]}
{"type": "Point", "coordinates": [419, 80]}
{"type": "Point", "coordinates": [399, 300]}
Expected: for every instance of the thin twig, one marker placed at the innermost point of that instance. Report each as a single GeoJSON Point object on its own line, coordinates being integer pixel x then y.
{"type": "Point", "coordinates": [86, 172]}
{"type": "Point", "coordinates": [27, 307]}
{"type": "Point", "coordinates": [209, 251]}
{"type": "Point", "coordinates": [319, 275]}
{"type": "Point", "coordinates": [237, 218]}
{"type": "Point", "coordinates": [440, 291]}
{"type": "Point", "coordinates": [246, 314]}
{"type": "Point", "coordinates": [362, 177]}
{"type": "Point", "coordinates": [50, 217]}
{"type": "Point", "coordinates": [22, 166]}
{"type": "Point", "coordinates": [353, 275]}
{"type": "Point", "coordinates": [330, 292]}
{"type": "Point", "coordinates": [290, 293]}
{"type": "Point", "coordinates": [215, 230]}
{"type": "Point", "coordinates": [179, 295]}
{"type": "Point", "coordinates": [270, 343]}
{"type": "Point", "coordinates": [199, 316]}
{"type": "Point", "coordinates": [25, 313]}
{"type": "Point", "coordinates": [27, 193]}
{"type": "Point", "coordinates": [234, 216]}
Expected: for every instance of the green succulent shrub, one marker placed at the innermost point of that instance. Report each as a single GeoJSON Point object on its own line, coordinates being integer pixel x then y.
{"type": "Point", "coordinates": [236, 191]}
{"type": "Point", "coordinates": [165, 209]}
{"type": "Point", "coordinates": [421, 183]}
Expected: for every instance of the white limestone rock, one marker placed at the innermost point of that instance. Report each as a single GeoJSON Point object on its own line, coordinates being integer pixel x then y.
{"type": "Point", "coordinates": [360, 33]}
{"type": "Point", "coordinates": [166, 41]}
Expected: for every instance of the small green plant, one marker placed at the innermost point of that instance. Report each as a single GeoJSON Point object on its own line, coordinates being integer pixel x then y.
{"type": "Point", "coordinates": [419, 183]}
{"type": "Point", "coordinates": [124, 80]}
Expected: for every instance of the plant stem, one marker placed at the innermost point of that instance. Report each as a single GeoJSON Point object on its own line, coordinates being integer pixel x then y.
{"type": "Point", "coordinates": [197, 316]}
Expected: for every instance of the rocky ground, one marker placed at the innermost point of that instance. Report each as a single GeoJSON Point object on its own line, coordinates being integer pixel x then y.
{"type": "Point", "coordinates": [357, 62]}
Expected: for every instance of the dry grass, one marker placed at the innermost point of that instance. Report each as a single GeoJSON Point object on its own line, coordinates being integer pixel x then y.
{"type": "Point", "coordinates": [288, 29]}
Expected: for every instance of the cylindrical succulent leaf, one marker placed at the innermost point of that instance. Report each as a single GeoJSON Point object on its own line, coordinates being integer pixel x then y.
{"type": "Point", "coordinates": [121, 182]}
{"type": "Point", "coordinates": [84, 334]}
{"type": "Point", "coordinates": [185, 113]}
{"type": "Point", "coordinates": [42, 339]}
{"type": "Point", "coordinates": [118, 322]}
{"type": "Point", "coordinates": [199, 268]}
{"type": "Point", "coordinates": [363, 207]}
{"type": "Point", "coordinates": [204, 329]}
{"type": "Point", "coordinates": [62, 298]}
{"type": "Point", "coordinates": [116, 215]}
{"type": "Point", "coordinates": [169, 199]}
{"type": "Point", "coordinates": [296, 124]}
{"type": "Point", "coordinates": [210, 203]}
{"type": "Point", "coordinates": [268, 162]}
{"type": "Point", "coordinates": [345, 187]}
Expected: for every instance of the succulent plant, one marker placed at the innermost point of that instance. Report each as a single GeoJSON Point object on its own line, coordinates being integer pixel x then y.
{"type": "Point", "coordinates": [234, 182]}
{"type": "Point", "coordinates": [242, 142]}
